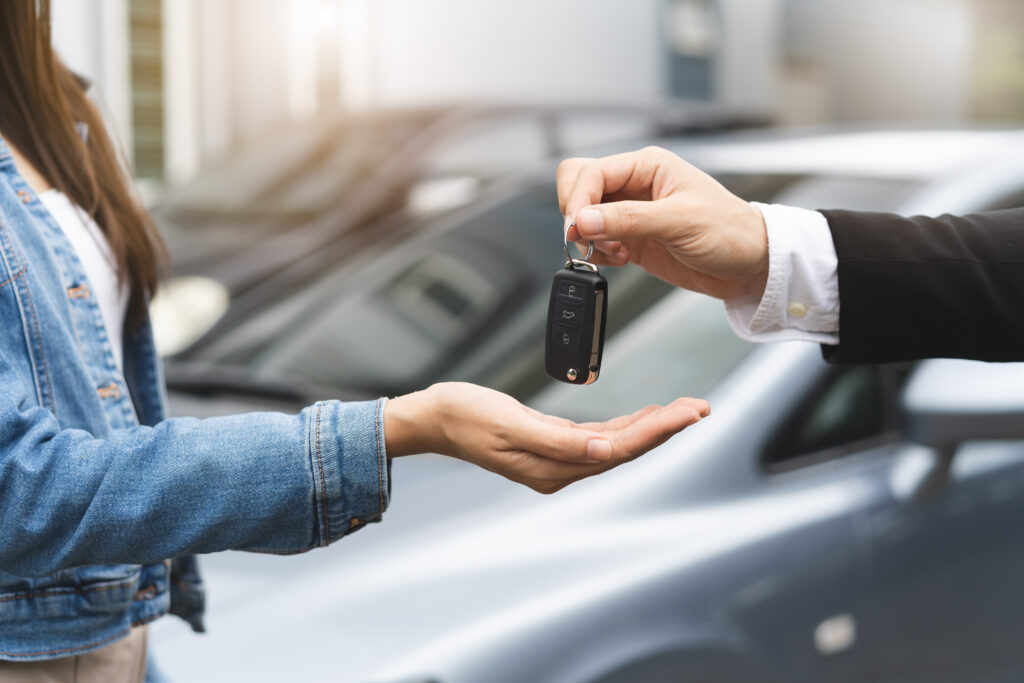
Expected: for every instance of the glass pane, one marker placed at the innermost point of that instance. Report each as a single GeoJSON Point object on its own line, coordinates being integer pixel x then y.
{"type": "Point", "coordinates": [849, 407]}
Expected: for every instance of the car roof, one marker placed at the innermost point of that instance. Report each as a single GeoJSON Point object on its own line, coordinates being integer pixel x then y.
{"type": "Point", "coordinates": [921, 155]}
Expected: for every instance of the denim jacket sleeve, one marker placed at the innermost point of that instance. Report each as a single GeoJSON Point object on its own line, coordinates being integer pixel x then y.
{"type": "Point", "coordinates": [261, 481]}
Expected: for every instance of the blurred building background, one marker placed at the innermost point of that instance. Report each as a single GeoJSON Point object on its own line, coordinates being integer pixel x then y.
{"type": "Point", "coordinates": [185, 81]}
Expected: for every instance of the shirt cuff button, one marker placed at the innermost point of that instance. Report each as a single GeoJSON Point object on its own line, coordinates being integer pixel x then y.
{"type": "Point", "coordinates": [797, 309]}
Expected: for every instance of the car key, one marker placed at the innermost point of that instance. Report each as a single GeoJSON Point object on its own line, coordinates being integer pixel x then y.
{"type": "Point", "coordinates": [576, 317]}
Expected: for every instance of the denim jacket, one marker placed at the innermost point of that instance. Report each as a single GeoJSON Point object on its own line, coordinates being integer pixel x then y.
{"type": "Point", "coordinates": [98, 490]}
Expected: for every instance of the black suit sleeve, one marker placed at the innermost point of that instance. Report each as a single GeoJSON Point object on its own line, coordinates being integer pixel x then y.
{"type": "Point", "coordinates": [946, 287]}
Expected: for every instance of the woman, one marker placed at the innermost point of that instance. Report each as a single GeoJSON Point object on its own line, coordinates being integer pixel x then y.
{"type": "Point", "coordinates": [97, 488]}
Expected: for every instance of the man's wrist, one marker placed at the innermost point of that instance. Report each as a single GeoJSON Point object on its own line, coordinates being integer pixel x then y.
{"type": "Point", "coordinates": [757, 233]}
{"type": "Point", "coordinates": [800, 300]}
{"type": "Point", "coordinates": [726, 241]}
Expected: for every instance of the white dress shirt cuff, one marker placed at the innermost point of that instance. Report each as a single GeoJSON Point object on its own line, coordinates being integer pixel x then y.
{"type": "Point", "coordinates": [801, 299]}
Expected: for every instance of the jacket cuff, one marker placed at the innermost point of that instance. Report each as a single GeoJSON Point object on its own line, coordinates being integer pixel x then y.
{"type": "Point", "coordinates": [351, 471]}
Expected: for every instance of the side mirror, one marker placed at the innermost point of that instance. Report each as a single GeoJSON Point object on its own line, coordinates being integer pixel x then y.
{"type": "Point", "coordinates": [947, 402]}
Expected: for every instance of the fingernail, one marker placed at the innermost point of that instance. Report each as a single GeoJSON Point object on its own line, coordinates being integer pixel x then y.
{"type": "Point", "coordinates": [568, 224]}
{"type": "Point", "coordinates": [590, 223]}
{"type": "Point", "coordinates": [598, 450]}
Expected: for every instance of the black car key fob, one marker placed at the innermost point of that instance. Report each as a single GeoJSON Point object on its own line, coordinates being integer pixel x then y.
{"type": "Point", "coordinates": [576, 317]}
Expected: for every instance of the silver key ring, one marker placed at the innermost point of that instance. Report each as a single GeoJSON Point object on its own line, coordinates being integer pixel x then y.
{"type": "Point", "coordinates": [569, 260]}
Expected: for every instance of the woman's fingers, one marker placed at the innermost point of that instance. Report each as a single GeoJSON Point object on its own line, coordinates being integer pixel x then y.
{"type": "Point", "coordinates": [559, 442]}
{"type": "Point", "coordinates": [545, 452]}
{"type": "Point", "coordinates": [628, 437]}
{"type": "Point", "coordinates": [620, 422]}
{"type": "Point", "coordinates": [554, 438]}
{"type": "Point", "coordinates": [700, 405]}
{"type": "Point", "coordinates": [655, 428]}
{"type": "Point", "coordinates": [618, 440]}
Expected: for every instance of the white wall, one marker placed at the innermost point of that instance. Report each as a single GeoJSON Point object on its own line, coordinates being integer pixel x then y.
{"type": "Point", "coordinates": [76, 34]}
{"type": "Point", "coordinates": [235, 66]}
{"type": "Point", "coordinates": [182, 140]}
{"type": "Point", "coordinates": [896, 60]}
{"type": "Point", "coordinates": [748, 71]}
{"type": "Point", "coordinates": [407, 51]}
{"type": "Point", "coordinates": [91, 36]}
{"type": "Point", "coordinates": [902, 59]}
{"type": "Point", "coordinates": [255, 63]}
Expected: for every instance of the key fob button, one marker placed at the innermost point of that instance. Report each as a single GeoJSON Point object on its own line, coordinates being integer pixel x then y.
{"type": "Point", "coordinates": [565, 337]}
{"type": "Point", "coordinates": [569, 313]}
{"type": "Point", "coordinates": [570, 290]}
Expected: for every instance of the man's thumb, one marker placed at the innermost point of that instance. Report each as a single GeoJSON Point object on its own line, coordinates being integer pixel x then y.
{"type": "Point", "coordinates": [622, 221]}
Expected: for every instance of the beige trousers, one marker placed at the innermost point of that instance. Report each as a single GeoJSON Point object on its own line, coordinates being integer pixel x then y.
{"type": "Point", "coordinates": [122, 662]}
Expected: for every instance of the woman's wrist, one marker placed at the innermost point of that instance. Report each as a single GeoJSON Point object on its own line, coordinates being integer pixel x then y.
{"type": "Point", "coordinates": [413, 424]}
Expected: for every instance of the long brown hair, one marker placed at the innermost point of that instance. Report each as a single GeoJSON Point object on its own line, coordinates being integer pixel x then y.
{"type": "Point", "coordinates": [41, 101]}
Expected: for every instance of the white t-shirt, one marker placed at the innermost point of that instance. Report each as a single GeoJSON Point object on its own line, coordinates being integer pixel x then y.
{"type": "Point", "coordinates": [93, 251]}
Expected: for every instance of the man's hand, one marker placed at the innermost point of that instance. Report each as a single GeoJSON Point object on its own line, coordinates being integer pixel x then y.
{"type": "Point", "coordinates": [496, 432]}
{"type": "Point", "coordinates": [678, 223]}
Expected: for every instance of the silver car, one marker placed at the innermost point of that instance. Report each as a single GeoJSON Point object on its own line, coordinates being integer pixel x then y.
{"type": "Point", "coordinates": [827, 523]}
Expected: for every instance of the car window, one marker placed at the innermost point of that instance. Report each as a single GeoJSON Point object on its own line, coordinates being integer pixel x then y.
{"type": "Point", "coordinates": [682, 346]}
{"type": "Point", "coordinates": [847, 407]}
